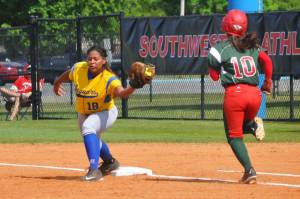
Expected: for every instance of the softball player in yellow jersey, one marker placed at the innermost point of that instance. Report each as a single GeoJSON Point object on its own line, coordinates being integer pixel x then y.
{"type": "Point", "coordinates": [96, 87]}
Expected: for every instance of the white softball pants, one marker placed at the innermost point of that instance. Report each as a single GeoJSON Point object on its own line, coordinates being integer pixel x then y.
{"type": "Point", "coordinates": [97, 122]}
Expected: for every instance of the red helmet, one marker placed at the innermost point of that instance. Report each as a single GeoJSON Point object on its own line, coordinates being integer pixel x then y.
{"type": "Point", "coordinates": [27, 67]}
{"type": "Point", "coordinates": [235, 23]}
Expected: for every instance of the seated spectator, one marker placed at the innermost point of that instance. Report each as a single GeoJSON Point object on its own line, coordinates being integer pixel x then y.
{"type": "Point", "coordinates": [19, 95]}
{"type": "Point", "coordinates": [11, 96]}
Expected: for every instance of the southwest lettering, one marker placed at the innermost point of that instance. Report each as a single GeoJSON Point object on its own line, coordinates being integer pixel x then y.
{"type": "Point", "coordinates": [163, 49]}
{"type": "Point", "coordinates": [183, 45]}
{"type": "Point", "coordinates": [204, 45]}
{"type": "Point", "coordinates": [143, 52]}
{"type": "Point", "coordinates": [173, 39]}
{"type": "Point", "coordinates": [193, 46]}
{"type": "Point", "coordinates": [153, 46]}
{"type": "Point", "coordinates": [295, 50]}
{"type": "Point", "coordinates": [285, 43]}
{"type": "Point", "coordinates": [274, 36]}
{"type": "Point", "coordinates": [266, 43]}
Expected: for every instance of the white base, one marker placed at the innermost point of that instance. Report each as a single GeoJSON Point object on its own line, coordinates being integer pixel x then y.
{"type": "Point", "coordinates": [130, 171]}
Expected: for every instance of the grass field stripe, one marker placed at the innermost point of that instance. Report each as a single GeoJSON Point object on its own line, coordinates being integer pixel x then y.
{"type": "Point", "coordinates": [262, 173]}
{"type": "Point", "coordinates": [193, 179]}
{"type": "Point", "coordinates": [40, 166]}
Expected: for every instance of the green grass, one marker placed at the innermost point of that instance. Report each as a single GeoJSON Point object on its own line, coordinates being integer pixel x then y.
{"type": "Point", "coordinates": [174, 106]}
{"type": "Point", "coordinates": [131, 130]}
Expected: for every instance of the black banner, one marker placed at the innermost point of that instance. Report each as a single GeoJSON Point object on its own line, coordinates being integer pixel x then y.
{"type": "Point", "coordinates": [179, 45]}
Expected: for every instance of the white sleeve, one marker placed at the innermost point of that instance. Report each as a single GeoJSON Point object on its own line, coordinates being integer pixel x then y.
{"type": "Point", "coordinates": [14, 88]}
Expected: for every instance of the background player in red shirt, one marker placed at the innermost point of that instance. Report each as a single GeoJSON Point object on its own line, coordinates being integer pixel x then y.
{"type": "Point", "coordinates": [236, 62]}
{"type": "Point", "coordinates": [20, 93]}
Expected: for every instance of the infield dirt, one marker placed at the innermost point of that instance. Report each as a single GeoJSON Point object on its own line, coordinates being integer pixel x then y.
{"type": "Point", "coordinates": [191, 160]}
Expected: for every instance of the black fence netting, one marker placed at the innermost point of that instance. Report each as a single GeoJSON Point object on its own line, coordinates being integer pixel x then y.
{"type": "Point", "coordinates": [52, 46]}
{"type": "Point", "coordinates": [15, 45]}
{"type": "Point", "coordinates": [196, 97]}
{"type": "Point", "coordinates": [55, 53]}
{"type": "Point", "coordinates": [14, 52]}
{"type": "Point", "coordinates": [65, 43]}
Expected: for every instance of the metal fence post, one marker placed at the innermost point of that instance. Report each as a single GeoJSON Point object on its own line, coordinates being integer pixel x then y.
{"type": "Point", "coordinates": [78, 39]}
{"type": "Point", "coordinates": [78, 52]}
{"type": "Point", "coordinates": [202, 103]}
{"type": "Point", "coordinates": [123, 74]}
{"type": "Point", "coordinates": [292, 105]}
{"type": "Point", "coordinates": [33, 63]}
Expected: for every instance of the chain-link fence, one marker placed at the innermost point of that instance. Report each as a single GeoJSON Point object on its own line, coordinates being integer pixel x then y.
{"type": "Point", "coordinates": [193, 97]}
{"type": "Point", "coordinates": [15, 45]}
{"type": "Point", "coordinates": [54, 45]}
{"type": "Point", "coordinates": [14, 52]}
{"type": "Point", "coordinates": [60, 47]}
{"type": "Point", "coordinates": [176, 97]}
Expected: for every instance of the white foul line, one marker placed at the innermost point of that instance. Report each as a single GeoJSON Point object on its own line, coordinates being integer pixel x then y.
{"type": "Point", "coordinates": [158, 177]}
{"type": "Point", "coordinates": [40, 166]}
{"type": "Point", "coordinates": [193, 179]}
{"type": "Point", "coordinates": [262, 173]}
{"type": "Point", "coordinates": [190, 179]}
{"type": "Point", "coordinates": [279, 184]}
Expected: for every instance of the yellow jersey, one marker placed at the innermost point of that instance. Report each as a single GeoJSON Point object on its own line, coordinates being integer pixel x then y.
{"type": "Point", "coordinates": [93, 94]}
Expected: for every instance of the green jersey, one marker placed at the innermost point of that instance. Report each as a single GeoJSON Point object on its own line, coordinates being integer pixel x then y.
{"type": "Point", "coordinates": [235, 67]}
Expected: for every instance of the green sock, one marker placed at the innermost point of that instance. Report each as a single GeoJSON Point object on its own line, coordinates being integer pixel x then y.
{"type": "Point", "coordinates": [240, 151]}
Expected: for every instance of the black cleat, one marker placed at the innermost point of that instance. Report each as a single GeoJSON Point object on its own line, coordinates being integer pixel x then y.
{"type": "Point", "coordinates": [92, 175]}
{"type": "Point", "coordinates": [109, 165]}
{"type": "Point", "coordinates": [249, 177]}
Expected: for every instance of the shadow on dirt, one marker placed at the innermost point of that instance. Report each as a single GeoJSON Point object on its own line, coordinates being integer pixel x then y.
{"type": "Point", "coordinates": [67, 178]}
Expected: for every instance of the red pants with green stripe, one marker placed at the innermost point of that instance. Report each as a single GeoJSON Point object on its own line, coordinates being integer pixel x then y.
{"type": "Point", "coordinates": [241, 104]}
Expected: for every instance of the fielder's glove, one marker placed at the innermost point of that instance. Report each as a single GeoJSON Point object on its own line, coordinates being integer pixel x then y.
{"type": "Point", "coordinates": [140, 74]}
{"type": "Point", "coordinates": [267, 86]}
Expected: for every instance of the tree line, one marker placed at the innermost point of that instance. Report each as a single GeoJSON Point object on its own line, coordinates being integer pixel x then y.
{"type": "Point", "coordinates": [18, 12]}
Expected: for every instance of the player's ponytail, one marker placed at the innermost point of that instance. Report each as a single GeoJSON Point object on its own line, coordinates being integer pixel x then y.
{"type": "Point", "coordinates": [249, 41]}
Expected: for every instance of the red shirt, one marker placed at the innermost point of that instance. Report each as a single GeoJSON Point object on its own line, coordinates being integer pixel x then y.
{"type": "Point", "coordinates": [23, 84]}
